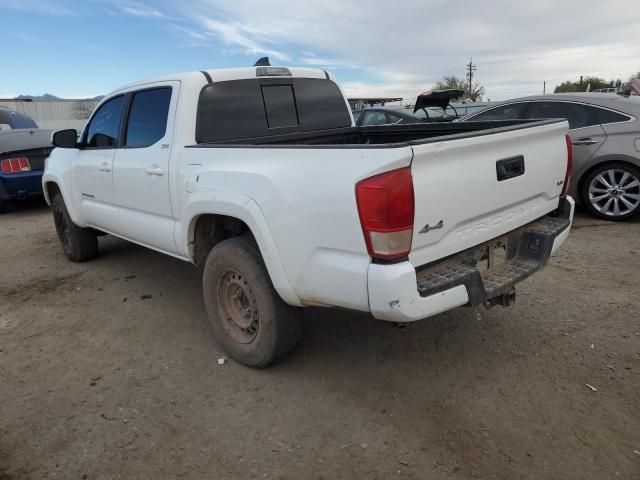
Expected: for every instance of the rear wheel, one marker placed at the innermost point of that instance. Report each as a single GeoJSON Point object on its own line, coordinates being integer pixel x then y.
{"type": "Point", "coordinates": [247, 316]}
{"type": "Point", "coordinates": [3, 206]}
{"type": "Point", "coordinates": [78, 244]}
{"type": "Point", "coordinates": [612, 191]}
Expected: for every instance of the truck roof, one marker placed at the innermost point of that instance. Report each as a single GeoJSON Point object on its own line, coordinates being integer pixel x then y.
{"type": "Point", "coordinates": [225, 74]}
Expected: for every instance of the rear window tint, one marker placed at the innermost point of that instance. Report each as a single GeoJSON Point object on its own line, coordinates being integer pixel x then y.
{"type": "Point", "coordinates": [280, 106]}
{"type": "Point", "coordinates": [238, 109]}
{"type": "Point", "coordinates": [512, 111]}
{"type": "Point", "coordinates": [607, 116]}
{"type": "Point", "coordinates": [576, 114]}
{"type": "Point", "coordinates": [19, 120]}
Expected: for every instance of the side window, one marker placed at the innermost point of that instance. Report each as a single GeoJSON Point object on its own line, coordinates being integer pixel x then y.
{"type": "Point", "coordinates": [512, 111]}
{"type": "Point", "coordinates": [577, 115]}
{"type": "Point", "coordinates": [374, 118]}
{"type": "Point", "coordinates": [607, 116]}
{"type": "Point", "coordinates": [104, 127]}
{"type": "Point", "coordinates": [147, 122]}
{"type": "Point", "coordinates": [393, 118]}
{"type": "Point", "coordinates": [356, 116]}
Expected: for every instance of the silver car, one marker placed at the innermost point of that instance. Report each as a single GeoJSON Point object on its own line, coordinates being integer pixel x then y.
{"type": "Point", "coordinates": [605, 133]}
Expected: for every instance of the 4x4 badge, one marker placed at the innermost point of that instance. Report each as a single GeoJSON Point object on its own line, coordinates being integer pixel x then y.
{"type": "Point", "coordinates": [427, 228]}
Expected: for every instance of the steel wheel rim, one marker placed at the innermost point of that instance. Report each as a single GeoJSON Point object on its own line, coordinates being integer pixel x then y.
{"type": "Point", "coordinates": [615, 192]}
{"type": "Point", "coordinates": [238, 306]}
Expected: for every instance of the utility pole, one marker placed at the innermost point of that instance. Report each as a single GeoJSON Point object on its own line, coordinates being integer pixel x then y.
{"type": "Point", "coordinates": [470, 69]}
{"type": "Point", "coordinates": [544, 87]}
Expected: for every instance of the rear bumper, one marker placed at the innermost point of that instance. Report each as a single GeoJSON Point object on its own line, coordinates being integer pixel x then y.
{"type": "Point", "coordinates": [20, 185]}
{"type": "Point", "coordinates": [399, 293]}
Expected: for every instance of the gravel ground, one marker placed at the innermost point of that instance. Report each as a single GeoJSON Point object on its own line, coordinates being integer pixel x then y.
{"type": "Point", "coordinates": [107, 370]}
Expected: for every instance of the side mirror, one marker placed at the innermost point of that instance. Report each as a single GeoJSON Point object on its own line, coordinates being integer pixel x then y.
{"type": "Point", "coordinates": [65, 138]}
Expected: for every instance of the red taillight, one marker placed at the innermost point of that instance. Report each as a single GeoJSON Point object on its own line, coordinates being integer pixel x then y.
{"type": "Point", "coordinates": [567, 175]}
{"type": "Point", "coordinates": [15, 165]}
{"type": "Point", "coordinates": [386, 207]}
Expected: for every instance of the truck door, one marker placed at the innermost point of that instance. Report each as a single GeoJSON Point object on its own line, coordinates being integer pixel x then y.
{"type": "Point", "coordinates": [141, 167]}
{"type": "Point", "coordinates": [92, 167]}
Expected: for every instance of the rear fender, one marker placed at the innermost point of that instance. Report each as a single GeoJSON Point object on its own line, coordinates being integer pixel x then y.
{"type": "Point", "coordinates": [247, 210]}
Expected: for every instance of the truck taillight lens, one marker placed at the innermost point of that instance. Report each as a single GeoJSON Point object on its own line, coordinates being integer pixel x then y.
{"type": "Point", "coordinates": [567, 175]}
{"type": "Point", "coordinates": [15, 165]}
{"type": "Point", "coordinates": [386, 208]}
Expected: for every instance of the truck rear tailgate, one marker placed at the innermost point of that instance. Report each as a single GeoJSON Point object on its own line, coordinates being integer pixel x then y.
{"type": "Point", "coordinates": [470, 190]}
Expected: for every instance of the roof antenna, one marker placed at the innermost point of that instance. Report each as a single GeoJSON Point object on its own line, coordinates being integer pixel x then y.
{"type": "Point", "coordinates": [262, 62]}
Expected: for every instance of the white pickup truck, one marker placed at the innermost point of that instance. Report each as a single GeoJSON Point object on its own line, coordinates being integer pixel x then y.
{"type": "Point", "coordinates": [259, 177]}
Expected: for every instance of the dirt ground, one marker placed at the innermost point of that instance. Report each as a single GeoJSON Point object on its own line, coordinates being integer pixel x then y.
{"type": "Point", "coordinates": [107, 371]}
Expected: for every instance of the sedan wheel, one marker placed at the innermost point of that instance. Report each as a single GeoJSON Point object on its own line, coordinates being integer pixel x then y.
{"type": "Point", "coordinates": [613, 192]}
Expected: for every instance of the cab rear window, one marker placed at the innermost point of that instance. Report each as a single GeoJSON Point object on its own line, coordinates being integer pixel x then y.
{"type": "Point", "coordinates": [239, 109]}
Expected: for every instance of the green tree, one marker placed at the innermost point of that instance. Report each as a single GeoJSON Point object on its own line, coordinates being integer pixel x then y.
{"type": "Point", "coordinates": [567, 86]}
{"type": "Point", "coordinates": [591, 82]}
{"type": "Point", "coordinates": [453, 82]}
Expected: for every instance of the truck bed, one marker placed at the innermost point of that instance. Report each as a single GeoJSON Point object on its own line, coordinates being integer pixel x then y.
{"type": "Point", "coordinates": [382, 136]}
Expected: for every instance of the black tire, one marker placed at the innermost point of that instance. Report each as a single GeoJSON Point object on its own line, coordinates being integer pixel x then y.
{"type": "Point", "coordinates": [597, 208]}
{"type": "Point", "coordinates": [3, 206]}
{"type": "Point", "coordinates": [247, 316]}
{"type": "Point", "coordinates": [78, 244]}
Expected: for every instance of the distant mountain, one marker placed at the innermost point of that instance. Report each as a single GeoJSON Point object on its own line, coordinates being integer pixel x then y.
{"type": "Point", "coordinates": [47, 97]}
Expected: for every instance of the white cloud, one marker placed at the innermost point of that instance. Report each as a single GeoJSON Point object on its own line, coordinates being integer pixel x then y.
{"type": "Point", "coordinates": [136, 9]}
{"type": "Point", "coordinates": [404, 47]}
{"type": "Point", "coordinates": [241, 36]}
{"type": "Point", "coordinates": [43, 7]}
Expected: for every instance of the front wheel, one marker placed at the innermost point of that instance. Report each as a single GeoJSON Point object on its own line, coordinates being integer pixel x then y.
{"type": "Point", "coordinates": [247, 316]}
{"type": "Point", "coordinates": [612, 191]}
{"type": "Point", "coordinates": [78, 244]}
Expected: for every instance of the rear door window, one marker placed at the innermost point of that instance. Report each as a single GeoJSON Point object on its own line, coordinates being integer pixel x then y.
{"type": "Point", "coordinates": [576, 114]}
{"type": "Point", "coordinates": [512, 111]}
{"type": "Point", "coordinates": [147, 122]}
{"type": "Point", "coordinates": [393, 118]}
{"type": "Point", "coordinates": [240, 109]}
{"type": "Point", "coordinates": [374, 118]}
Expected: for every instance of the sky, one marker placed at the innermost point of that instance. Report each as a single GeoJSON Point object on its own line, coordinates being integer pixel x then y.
{"type": "Point", "coordinates": [84, 48]}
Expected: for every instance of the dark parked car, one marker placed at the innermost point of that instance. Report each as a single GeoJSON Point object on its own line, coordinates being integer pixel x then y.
{"type": "Point", "coordinates": [23, 150]}
{"type": "Point", "coordinates": [383, 116]}
{"type": "Point", "coordinates": [605, 137]}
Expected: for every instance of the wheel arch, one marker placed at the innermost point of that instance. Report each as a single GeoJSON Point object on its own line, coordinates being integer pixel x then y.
{"type": "Point", "coordinates": [50, 188]}
{"type": "Point", "coordinates": [207, 223]}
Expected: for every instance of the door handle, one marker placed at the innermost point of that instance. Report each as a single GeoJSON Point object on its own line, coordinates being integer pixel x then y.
{"type": "Point", "coordinates": [105, 167]}
{"type": "Point", "coordinates": [154, 170]}
{"type": "Point", "coordinates": [510, 168]}
{"type": "Point", "coordinates": [584, 141]}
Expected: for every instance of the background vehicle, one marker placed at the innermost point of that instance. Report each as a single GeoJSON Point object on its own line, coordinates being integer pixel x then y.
{"type": "Point", "coordinates": [258, 176]}
{"type": "Point", "coordinates": [605, 133]}
{"type": "Point", "coordinates": [383, 116]}
{"type": "Point", "coordinates": [23, 149]}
